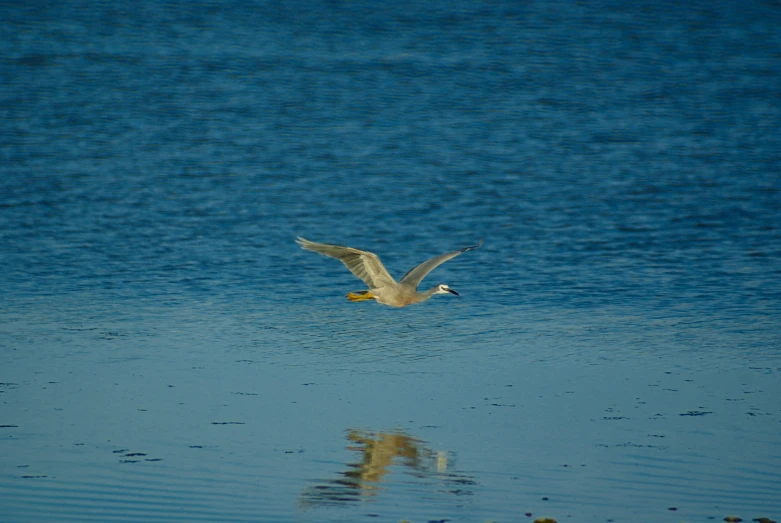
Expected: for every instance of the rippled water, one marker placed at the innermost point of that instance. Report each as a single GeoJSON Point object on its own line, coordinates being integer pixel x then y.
{"type": "Point", "coordinates": [168, 353]}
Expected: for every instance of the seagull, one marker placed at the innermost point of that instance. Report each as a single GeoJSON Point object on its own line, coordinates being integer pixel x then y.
{"type": "Point", "coordinates": [382, 287]}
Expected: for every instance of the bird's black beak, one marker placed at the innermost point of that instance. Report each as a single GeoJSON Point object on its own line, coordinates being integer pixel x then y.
{"type": "Point", "coordinates": [451, 291]}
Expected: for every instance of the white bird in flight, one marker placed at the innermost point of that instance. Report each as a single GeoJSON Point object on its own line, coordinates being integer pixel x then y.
{"type": "Point", "coordinates": [382, 287]}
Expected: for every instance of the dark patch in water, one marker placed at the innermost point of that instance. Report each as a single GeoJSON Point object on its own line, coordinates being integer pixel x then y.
{"type": "Point", "coordinates": [129, 457]}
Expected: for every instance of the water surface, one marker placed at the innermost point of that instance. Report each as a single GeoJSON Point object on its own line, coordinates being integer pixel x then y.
{"type": "Point", "coordinates": [168, 353]}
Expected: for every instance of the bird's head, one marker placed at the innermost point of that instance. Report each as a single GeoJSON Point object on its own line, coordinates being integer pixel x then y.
{"type": "Point", "coordinates": [444, 289]}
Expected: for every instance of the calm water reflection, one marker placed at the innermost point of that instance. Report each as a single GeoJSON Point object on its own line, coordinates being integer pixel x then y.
{"type": "Point", "coordinates": [377, 455]}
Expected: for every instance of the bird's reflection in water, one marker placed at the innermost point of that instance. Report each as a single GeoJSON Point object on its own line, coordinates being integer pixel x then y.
{"type": "Point", "coordinates": [377, 453]}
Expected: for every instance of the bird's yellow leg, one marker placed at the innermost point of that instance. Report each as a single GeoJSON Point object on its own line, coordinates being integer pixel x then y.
{"type": "Point", "coordinates": [360, 296]}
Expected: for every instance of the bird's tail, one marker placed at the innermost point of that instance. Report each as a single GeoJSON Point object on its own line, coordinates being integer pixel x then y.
{"type": "Point", "coordinates": [360, 296]}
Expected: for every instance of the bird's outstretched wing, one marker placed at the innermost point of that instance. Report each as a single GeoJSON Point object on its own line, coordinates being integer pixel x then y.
{"type": "Point", "coordinates": [416, 274]}
{"type": "Point", "coordinates": [366, 265]}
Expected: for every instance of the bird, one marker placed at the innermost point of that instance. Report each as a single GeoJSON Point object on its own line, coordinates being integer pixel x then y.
{"type": "Point", "coordinates": [382, 287]}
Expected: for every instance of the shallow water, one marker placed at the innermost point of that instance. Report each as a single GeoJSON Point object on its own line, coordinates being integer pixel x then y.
{"type": "Point", "coordinates": [168, 353]}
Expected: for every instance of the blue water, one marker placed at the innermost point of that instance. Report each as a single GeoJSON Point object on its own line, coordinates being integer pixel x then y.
{"type": "Point", "coordinates": [168, 353]}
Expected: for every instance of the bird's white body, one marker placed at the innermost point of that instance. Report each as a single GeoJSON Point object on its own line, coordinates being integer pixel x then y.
{"type": "Point", "coordinates": [382, 287]}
